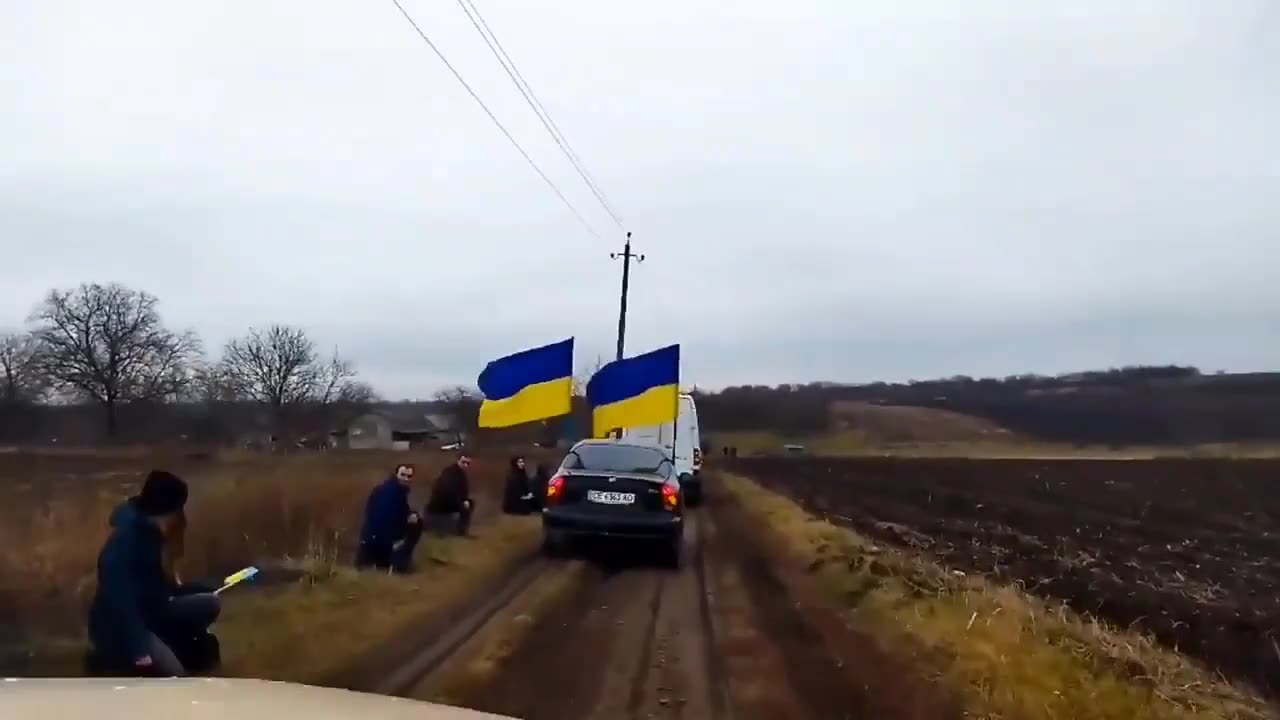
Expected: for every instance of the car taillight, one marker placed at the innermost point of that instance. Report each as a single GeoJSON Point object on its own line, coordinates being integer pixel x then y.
{"type": "Point", "coordinates": [697, 456]}
{"type": "Point", "coordinates": [555, 489]}
{"type": "Point", "coordinates": [670, 497]}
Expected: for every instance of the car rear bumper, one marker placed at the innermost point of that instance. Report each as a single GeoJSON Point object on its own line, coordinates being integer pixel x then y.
{"type": "Point", "coordinates": [652, 526]}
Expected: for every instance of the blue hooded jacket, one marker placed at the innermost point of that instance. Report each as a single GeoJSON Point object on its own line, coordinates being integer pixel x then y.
{"type": "Point", "coordinates": [386, 514]}
{"type": "Point", "coordinates": [133, 588]}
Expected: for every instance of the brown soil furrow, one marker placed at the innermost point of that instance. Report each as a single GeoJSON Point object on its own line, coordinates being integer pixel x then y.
{"type": "Point", "coordinates": [1185, 550]}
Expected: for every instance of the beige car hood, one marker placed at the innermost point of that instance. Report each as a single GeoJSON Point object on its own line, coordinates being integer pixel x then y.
{"type": "Point", "coordinates": [211, 698]}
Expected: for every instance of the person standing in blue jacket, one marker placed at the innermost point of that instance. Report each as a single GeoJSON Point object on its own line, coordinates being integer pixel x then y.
{"type": "Point", "coordinates": [142, 620]}
{"type": "Point", "coordinates": [391, 529]}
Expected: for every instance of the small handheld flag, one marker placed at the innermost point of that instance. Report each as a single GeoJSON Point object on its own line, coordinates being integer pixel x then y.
{"type": "Point", "coordinates": [236, 578]}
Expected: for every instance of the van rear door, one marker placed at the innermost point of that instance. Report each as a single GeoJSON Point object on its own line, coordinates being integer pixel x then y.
{"type": "Point", "coordinates": [659, 436]}
{"type": "Point", "coordinates": [685, 436]}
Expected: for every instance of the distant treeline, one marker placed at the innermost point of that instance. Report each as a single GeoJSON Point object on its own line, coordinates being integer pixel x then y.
{"type": "Point", "coordinates": [1161, 405]}
{"type": "Point", "coordinates": [96, 363]}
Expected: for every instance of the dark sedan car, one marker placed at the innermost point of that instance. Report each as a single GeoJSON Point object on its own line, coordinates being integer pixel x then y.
{"type": "Point", "coordinates": [607, 488]}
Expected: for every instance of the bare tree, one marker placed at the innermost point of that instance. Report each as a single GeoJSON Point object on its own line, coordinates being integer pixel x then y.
{"type": "Point", "coordinates": [280, 368]}
{"type": "Point", "coordinates": [581, 379]}
{"type": "Point", "coordinates": [336, 383]}
{"type": "Point", "coordinates": [276, 367]}
{"type": "Point", "coordinates": [340, 396]}
{"type": "Point", "coordinates": [21, 377]}
{"type": "Point", "coordinates": [461, 404]}
{"type": "Point", "coordinates": [211, 385]}
{"type": "Point", "coordinates": [106, 343]}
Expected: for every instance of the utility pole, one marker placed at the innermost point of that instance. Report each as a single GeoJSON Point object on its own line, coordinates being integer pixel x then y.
{"type": "Point", "coordinates": [626, 256]}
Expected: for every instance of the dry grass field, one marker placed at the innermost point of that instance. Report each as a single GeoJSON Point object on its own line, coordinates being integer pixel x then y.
{"type": "Point", "coordinates": [297, 511]}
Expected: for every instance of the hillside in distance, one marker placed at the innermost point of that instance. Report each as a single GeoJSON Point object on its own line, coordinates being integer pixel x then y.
{"type": "Point", "coordinates": [1146, 405]}
{"type": "Point", "coordinates": [897, 424]}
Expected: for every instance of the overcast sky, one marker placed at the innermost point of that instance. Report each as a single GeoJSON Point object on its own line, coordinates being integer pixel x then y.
{"type": "Point", "coordinates": [825, 189]}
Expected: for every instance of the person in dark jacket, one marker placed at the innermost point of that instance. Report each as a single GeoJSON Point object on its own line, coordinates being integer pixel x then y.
{"type": "Point", "coordinates": [451, 502]}
{"type": "Point", "coordinates": [391, 529]}
{"type": "Point", "coordinates": [141, 620]}
{"type": "Point", "coordinates": [541, 476]}
{"type": "Point", "coordinates": [517, 496]}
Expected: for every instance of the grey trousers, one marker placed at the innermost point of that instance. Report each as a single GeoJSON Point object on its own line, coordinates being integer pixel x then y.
{"type": "Point", "coordinates": [186, 615]}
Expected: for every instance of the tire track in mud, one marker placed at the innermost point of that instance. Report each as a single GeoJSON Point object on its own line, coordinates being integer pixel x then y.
{"type": "Point", "coordinates": [631, 644]}
{"type": "Point", "coordinates": [732, 635]}
{"type": "Point", "coordinates": [638, 682]}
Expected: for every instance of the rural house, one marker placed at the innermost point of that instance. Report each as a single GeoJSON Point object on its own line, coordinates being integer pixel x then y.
{"type": "Point", "coordinates": [401, 428]}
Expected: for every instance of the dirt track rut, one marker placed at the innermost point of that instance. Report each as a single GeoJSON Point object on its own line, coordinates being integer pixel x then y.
{"type": "Point", "coordinates": [720, 639]}
{"type": "Point", "coordinates": [631, 643]}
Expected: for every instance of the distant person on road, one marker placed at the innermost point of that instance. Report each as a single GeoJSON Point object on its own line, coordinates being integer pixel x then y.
{"type": "Point", "coordinates": [391, 529]}
{"type": "Point", "coordinates": [142, 620]}
{"type": "Point", "coordinates": [517, 496]}
{"type": "Point", "coordinates": [451, 503]}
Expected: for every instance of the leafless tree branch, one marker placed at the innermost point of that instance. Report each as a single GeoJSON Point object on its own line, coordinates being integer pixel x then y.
{"type": "Point", "coordinates": [461, 404]}
{"type": "Point", "coordinates": [107, 344]}
{"type": "Point", "coordinates": [276, 366]}
{"type": "Point", "coordinates": [21, 377]}
{"type": "Point", "coordinates": [280, 368]}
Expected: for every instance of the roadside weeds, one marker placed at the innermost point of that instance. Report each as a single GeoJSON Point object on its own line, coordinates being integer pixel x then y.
{"type": "Point", "coordinates": [1007, 653]}
{"type": "Point", "coordinates": [333, 622]}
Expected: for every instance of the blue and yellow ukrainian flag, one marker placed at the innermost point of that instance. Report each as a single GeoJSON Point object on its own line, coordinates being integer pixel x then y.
{"type": "Point", "coordinates": [530, 385]}
{"type": "Point", "coordinates": [636, 392]}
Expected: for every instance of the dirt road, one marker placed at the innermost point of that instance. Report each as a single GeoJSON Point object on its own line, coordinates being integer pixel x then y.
{"type": "Point", "coordinates": [631, 643]}
{"type": "Point", "coordinates": [722, 638]}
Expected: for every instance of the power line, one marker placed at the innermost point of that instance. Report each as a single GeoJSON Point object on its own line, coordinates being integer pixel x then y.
{"type": "Point", "coordinates": [495, 120]}
{"type": "Point", "coordinates": [513, 72]}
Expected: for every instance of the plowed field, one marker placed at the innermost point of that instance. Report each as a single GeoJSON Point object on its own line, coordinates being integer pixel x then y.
{"type": "Point", "coordinates": [1187, 550]}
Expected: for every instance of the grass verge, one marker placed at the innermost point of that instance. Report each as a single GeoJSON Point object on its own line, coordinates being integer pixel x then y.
{"type": "Point", "coordinates": [313, 631]}
{"type": "Point", "coordinates": [244, 509]}
{"type": "Point", "coordinates": [1008, 654]}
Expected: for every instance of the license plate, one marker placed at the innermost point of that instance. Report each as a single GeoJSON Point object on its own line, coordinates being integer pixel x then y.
{"type": "Point", "coordinates": [610, 498]}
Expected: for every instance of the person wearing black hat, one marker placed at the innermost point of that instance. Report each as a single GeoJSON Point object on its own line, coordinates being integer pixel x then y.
{"type": "Point", "coordinates": [142, 621]}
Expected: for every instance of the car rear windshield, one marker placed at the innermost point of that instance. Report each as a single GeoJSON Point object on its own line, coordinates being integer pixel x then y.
{"type": "Point", "coordinates": [616, 458]}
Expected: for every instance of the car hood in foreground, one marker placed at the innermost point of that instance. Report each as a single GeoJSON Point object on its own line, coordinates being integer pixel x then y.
{"type": "Point", "coordinates": [212, 698]}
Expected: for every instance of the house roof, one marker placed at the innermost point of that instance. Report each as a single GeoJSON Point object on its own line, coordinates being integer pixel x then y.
{"type": "Point", "coordinates": [439, 421]}
{"type": "Point", "coordinates": [411, 419]}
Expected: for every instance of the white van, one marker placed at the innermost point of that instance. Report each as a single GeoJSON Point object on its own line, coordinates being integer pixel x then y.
{"type": "Point", "coordinates": [682, 440]}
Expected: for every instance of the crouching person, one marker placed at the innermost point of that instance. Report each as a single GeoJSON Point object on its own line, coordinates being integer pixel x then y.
{"type": "Point", "coordinates": [450, 506]}
{"type": "Point", "coordinates": [517, 495]}
{"type": "Point", "coordinates": [142, 620]}
{"type": "Point", "coordinates": [391, 530]}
